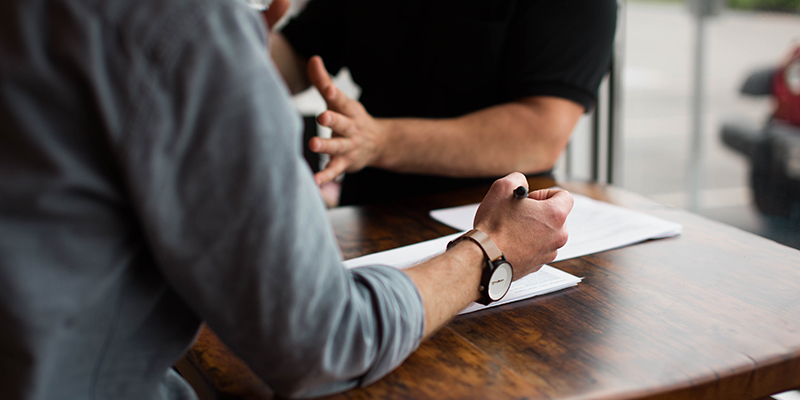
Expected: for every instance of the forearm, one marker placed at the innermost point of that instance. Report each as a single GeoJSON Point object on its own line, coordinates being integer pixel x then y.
{"type": "Point", "coordinates": [526, 135]}
{"type": "Point", "coordinates": [448, 283]}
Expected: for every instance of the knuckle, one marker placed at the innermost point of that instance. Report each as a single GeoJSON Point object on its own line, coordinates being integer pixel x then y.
{"type": "Point", "coordinates": [562, 216]}
{"type": "Point", "coordinates": [559, 215]}
{"type": "Point", "coordinates": [514, 176]}
{"type": "Point", "coordinates": [503, 184]}
{"type": "Point", "coordinates": [495, 186]}
{"type": "Point", "coordinates": [570, 201]}
{"type": "Point", "coordinates": [561, 238]}
{"type": "Point", "coordinates": [352, 109]}
{"type": "Point", "coordinates": [350, 130]}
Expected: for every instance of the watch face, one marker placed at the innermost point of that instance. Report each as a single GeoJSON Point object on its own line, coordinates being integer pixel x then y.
{"type": "Point", "coordinates": [500, 281]}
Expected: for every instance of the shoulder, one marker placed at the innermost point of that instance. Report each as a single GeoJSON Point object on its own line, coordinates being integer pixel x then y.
{"type": "Point", "coordinates": [160, 27]}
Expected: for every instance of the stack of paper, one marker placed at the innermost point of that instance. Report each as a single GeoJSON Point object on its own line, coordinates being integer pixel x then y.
{"type": "Point", "coordinates": [593, 226]}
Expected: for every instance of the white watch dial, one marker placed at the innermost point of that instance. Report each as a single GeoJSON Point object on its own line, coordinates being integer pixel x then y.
{"type": "Point", "coordinates": [500, 281]}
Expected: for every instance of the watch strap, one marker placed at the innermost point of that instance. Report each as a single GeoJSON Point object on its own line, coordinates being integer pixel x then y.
{"type": "Point", "coordinates": [493, 258]}
{"type": "Point", "coordinates": [487, 245]}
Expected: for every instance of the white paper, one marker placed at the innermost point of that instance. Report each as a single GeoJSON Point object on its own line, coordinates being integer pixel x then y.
{"type": "Point", "coordinates": [546, 280]}
{"type": "Point", "coordinates": [593, 226]}
{"type": "Point", "coordinates": [406, 256]}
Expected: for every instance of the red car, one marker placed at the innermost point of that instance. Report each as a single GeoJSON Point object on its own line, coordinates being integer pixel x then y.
{"type": "Point", "coordinates": [774, 149]}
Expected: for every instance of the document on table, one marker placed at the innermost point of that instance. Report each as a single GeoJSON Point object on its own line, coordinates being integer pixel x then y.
{"type": "Point", "coordinates": [546, 280]}
{"type": "Point", "coordinates": [593, 226]}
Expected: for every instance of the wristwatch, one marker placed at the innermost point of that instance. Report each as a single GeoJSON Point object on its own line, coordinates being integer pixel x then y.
{"type": "Point", "coordinates": [497, 275]}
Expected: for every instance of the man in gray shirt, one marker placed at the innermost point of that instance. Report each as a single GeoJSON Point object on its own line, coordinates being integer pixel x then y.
{"type": "Point", "coordinates": [151, 178]}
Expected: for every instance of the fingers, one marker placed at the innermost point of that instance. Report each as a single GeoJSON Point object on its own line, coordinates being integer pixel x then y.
{"type": "Point", "coordinates": [558, 207]}
{"type": "Point", "coordinates": [334, 168]}
{"type": "Point", "coordinates": [563, 197]}
{"type": "Point", "coordinates": [529, 231]}
{"type": "Point", "coordinates": [516, 180]}
{"type": "Point", "coordinates": [542, 194]}
{"type": "Point", "coordinates": [505, 186]}
{"type": "Point", "coordinates": [317, 74]}
{"type": "Point", "coordinates": [319, 77]}
{"type": "Point", "coordinates": [337, 122]}
{"type": "Point", "coordinates": [334, 146]}
{"type": "Point", "coordinates": [560, 199]}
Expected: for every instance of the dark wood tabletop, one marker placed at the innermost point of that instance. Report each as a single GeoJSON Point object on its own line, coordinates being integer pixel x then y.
{"type": "Point", "coordinates": [711, 314]}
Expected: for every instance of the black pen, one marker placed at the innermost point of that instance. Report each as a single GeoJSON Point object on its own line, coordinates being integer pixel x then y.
{"type": "Point", "coordinates": [521, 192]}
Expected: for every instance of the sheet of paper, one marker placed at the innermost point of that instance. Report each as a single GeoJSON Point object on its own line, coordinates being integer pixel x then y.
{"type": "Point", "coordinates": [546, 280]}
{"type": "Point", "coordinates": [593, 226]}
{"type": "Point", "coordinates": [406, 256]}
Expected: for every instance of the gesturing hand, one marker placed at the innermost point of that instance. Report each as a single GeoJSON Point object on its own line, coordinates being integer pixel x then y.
{"type": "Point", "coordinates": [528, 231]}
{"type": "Point", "coordinates": [357, 136]}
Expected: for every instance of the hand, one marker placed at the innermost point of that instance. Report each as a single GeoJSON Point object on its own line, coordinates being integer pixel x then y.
{"type": "Point", "coordinates": [357, 136]}
{"type": "Point", "coordinates": [528, 231]}
{"type": "Point", "coordinates": [275, 11]}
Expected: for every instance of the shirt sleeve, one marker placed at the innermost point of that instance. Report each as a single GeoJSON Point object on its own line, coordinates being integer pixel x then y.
{"type": "Point", "coordinates": [212, 160]}
{"type": "Point", "coordinates": [559, 48]}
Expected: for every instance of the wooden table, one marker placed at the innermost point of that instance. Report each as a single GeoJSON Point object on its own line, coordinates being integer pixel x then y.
{"type": "Point", "coordinates": [711, 314]}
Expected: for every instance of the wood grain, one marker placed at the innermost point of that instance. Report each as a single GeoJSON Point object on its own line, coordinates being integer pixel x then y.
{"type": "Point", "coordinates": [227, 375]}
{"type": "Point", "coordinates": [446, 367]}
{"type": "Point", "coordinates": [711, 314]}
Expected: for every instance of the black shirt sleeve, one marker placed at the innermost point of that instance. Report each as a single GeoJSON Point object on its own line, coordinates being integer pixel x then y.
{"type": "Point", "coordinates": [559, 48]}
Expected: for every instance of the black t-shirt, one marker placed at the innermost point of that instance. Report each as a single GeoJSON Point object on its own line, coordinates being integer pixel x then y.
{"type": "Point", "coordinates": [446, 58]}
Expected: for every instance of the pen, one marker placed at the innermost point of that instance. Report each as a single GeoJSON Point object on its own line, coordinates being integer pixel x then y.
{"type": "Point", "coordinates": [521, 192]}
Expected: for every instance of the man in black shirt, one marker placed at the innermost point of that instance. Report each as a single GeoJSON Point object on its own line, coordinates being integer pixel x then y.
{"type": "Point", "coordinates": [454, 92]}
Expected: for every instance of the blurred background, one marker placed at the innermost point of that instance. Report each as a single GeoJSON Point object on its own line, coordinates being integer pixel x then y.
{"type": "Point", "coordinates": [657, 133]}
{"type": "Point", "coordinates": [657, 89]}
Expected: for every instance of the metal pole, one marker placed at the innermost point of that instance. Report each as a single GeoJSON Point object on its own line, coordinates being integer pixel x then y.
{"type": "Point", "coordinates": [596, 143]}
{"type": "Point", "coordinates": [613, 118]}
{"type": "Point", "coordinates": [694, 169]}
{"type": "Point", "coordinates": [615, 93]}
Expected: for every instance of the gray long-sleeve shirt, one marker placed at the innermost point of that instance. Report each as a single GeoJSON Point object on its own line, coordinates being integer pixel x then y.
{"type": "Point", "coordinates": [151, 177]}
